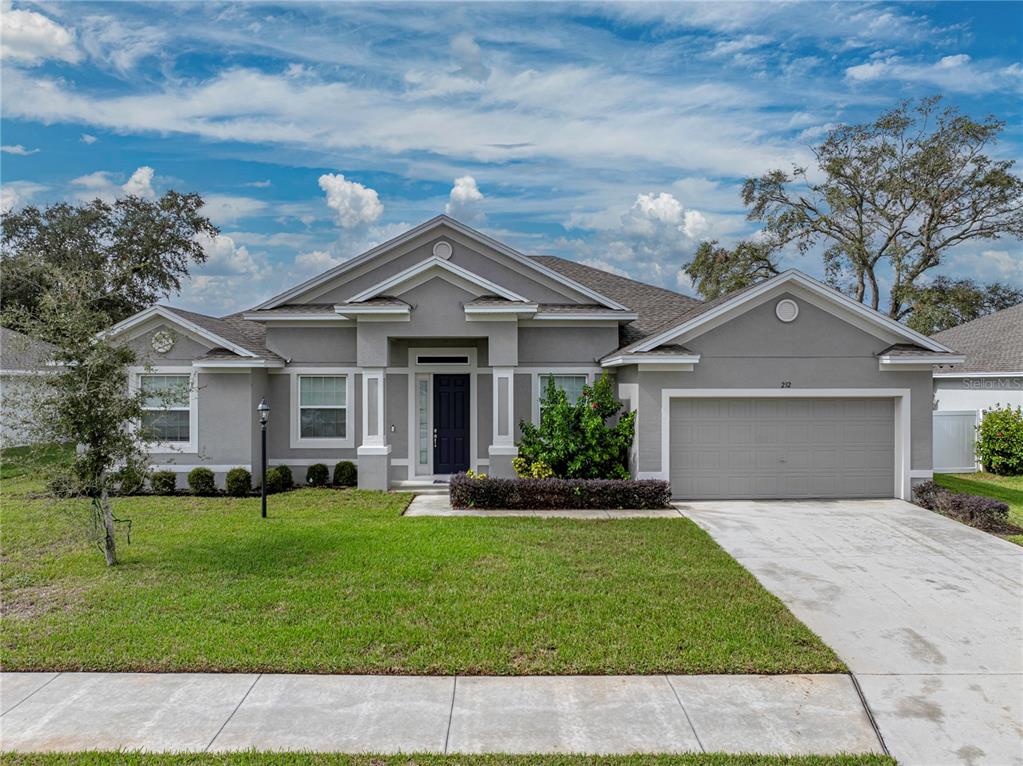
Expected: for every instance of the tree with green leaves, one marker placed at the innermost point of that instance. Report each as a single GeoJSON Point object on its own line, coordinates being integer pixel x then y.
{"type": "Point", "coordinates": [135, 251]}
{"type": "Point", "coordinates": [885, 202]}
{"type": "Point", "coordinates": [576, 440]}
{"type": "Point", "coordinates": [81, 396]}
{"type": "Point", "coordinates": [945, 303]}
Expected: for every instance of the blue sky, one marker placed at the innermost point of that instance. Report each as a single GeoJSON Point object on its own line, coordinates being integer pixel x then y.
{"type": "Point", "coordinates": [617, 135]}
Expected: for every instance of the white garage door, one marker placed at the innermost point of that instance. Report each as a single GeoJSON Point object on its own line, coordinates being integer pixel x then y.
{"type": "Point", "coordinates": [782, 448]}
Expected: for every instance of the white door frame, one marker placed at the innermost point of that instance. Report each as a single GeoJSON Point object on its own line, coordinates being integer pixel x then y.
{"type": "Point", "coordinates": [903, 444]}
{"type": "Point", "coordinates": [415, 371]}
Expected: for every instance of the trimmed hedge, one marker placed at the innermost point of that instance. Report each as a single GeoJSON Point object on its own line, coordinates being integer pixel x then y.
{"type": "Point", "coordinates": [202, 481]}
{"type": "Point", "coordinates": [558, 494]}
{"type": "Point", "coordinates": [163, 482]}
{"type": "Point", "coordinates": [981, 512]}
{"type": "Point", "coordinates": [346, 474]}
{"type": "Point", "coordinates": [238, 482]}
{"type": "Point", "coordinates": [316, 475]}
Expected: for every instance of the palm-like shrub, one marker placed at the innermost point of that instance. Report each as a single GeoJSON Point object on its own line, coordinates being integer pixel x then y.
{"type": "Point", "coordinates": [581, 440]}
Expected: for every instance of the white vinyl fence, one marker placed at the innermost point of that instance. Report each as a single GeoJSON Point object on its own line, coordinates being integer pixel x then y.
{"type": "Point", "coordinates": [955, 439]}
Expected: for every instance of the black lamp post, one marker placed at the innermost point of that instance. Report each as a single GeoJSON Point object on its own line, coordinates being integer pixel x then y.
{"type": "Point", "coordinates": [264, 415]}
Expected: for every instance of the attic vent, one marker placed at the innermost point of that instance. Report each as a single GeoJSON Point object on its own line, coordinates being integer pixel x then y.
{"type": "Point", "coordinates": [442, 250]}
{"type": "Point", "coordinates": [786, 310]}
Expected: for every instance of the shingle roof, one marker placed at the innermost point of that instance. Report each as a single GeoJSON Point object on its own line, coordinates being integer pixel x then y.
{"type": "Point", "coordinates": [22, 352]}
{"type": "Point", "coordinates": [294, 309]}
{"type": "Point", "coordinates": [909, 349]}
{"type": "Point", "coordinates": [656, 306]}
{"type": "Point", "coordinates": [993, 343]}
{"type": "Point", "coordinates": [242, 332]}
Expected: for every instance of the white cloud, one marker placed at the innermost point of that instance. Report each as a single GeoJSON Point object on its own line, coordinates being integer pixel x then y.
{"type": "Point", "coordinates": [738, 45]}
{"type": "Point", "coordinates": [259, 184]}
{"type": "Point", "coordinates": [114, 43]}
{"type": "Point", "coordinates": [18, 149]}
{"type": "Point", "coordinates": [651, 239]}
{"type": "Point", "coordinates": [101, 185]}
{"type": "Point", "coordinates": [469, 56]}
{"type": "Point", "coordinates": [141, 183]}
{"type": "Point", "coordinates": [15, 194]}
{"type": "Point", "coordinates": [224, 257]}
{"type": "Point", "coordinates": [465, 200]}
{"type": "Point", "coordinates": [352, 203]}
{"type": "Point", "coordinates": [953, 73]}
{"type": "Point", "coordinates": [226, 208]}
{"type": "Point", "coordinates": [27, 37]}
{"type": "Point", "coordinates": [597, 263]}
{"type": "Point", "coordinates": [88, 139]}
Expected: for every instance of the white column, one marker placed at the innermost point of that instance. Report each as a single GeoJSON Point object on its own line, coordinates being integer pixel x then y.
{"type": "Point", "coordinates": [502, 447]}
{"type": "Point", "coordinates": [373, 397]}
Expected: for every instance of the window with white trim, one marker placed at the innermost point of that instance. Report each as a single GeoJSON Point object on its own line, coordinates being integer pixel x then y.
{"type": "Point", "coordinates": [323, 406]}
{"type": "Point", "coordinates": [166, 408]}
{"type": "Point", "coordinates": [572, 385]}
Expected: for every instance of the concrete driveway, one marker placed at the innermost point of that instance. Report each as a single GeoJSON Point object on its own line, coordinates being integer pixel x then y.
{"type": "Point", "coordinates": [926, 612]}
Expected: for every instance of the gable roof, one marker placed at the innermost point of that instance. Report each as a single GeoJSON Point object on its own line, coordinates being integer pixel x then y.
{"type": "Point", "coordinates": [735, 300]}
{"type": "Point", "coordinates": [22, 352]}
{"type": "Point", "coordinates": [655, 306]}
{"type": "Point", "coordinates": [423, 228]}
{"type": "Point", "coordinates": [434, 263]}
{"type": "Point", "coordinates": [992, 343]}
{"type": "Point", "coordinates": [233, 332]}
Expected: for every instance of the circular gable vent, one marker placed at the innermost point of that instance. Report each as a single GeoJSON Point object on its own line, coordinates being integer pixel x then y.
{"type": "Point", "coordinates": [786, 310]}
{"type": "Point", "coordinates": [442, 250]}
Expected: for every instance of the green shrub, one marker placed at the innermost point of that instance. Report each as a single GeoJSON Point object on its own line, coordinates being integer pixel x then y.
{"type": "Point", "coordinates": [202, 481]}
{"type": "Point", "coordinates": [317, 475]}
{"type": "Point", "coordinates": [130, 479]}
{"type": "Point", "coordinates": [278, 479]}
{"type": "Point", "coordinates": [163, 482]}
{"type": "Point", "coordinates": [574, 441]}
{"type": "Point", "coordinates": [1000, 441]}
{"type": "Point", "coordinates": [345, 474]}
{"type": "Point", "coordinates": [239, 482]}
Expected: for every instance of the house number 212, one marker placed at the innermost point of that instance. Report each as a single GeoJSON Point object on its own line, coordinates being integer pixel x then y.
{"type": "Point", "coordinates": [786, 384]}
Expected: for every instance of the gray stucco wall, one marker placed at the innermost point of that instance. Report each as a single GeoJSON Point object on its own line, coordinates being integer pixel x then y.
{"type": "Point", "coordinates": [184, 350]}
{"type": "Point", "coordinates": [437, 313]}
{"type": "Point", "coordinates": [566, 345]}
{"type": "Point", "coordinates": [757, 350]}
{"type": "Point", "coordinates": [493, 266]}
{"type": "Point", "coordinates": [279, 432]}
{"type": "Point", "coordinates": [313, 345]}
{"type": "Point", "coordinates": [485, 413]}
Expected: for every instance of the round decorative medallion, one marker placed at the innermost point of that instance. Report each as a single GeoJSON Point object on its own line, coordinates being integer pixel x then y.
{"type": "Point", "coordinates": [442, 250]}
{"type": "Point", "coordinates": [786, 310]}
{"type": "Point", "coordinates": [162, 342]}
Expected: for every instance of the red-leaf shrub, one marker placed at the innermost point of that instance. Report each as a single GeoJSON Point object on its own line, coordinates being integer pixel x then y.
{"type": "Point", "coordinates": [558, 494]}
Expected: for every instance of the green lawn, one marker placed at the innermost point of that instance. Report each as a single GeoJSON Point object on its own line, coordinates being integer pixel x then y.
{"type": "Point", "coordinates": [1008, 489]}
{"type": "Point", "coordinates": [339, 582]}
{"type": "Point", "coordinates": [339, 759]}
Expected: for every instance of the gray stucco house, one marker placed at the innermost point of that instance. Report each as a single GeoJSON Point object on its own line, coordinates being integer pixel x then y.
{"type": "Point", "coordinates": [419, 358]}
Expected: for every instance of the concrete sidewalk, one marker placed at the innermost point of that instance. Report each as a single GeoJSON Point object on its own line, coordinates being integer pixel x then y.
{"type": "Point", "coordinates": [440, 505]}
{"type": "Point", "coordinates": [442, 714]}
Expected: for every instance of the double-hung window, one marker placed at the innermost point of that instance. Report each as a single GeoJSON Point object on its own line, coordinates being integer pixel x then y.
{"type": "Point", "coordinates": [166, 408]}
{"type": "Point", "coordinates": [323, 406]}
{"type": "Point", "coordinates": [572, 385]}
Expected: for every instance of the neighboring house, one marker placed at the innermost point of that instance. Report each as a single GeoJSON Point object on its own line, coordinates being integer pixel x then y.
{"type": "Point", "coordinates": [991, 375]}
{"type": "Point", "coordinates": [419, 358]}
{"type": "Point", "coordinates": [21, 357]}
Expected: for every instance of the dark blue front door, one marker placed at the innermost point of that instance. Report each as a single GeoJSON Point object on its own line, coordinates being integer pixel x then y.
{"type": "Point", "coordinates": [450, 423]}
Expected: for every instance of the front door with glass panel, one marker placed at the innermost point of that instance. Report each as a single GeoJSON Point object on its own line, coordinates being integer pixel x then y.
{"type": "Point", "coordinates": [450, 423]}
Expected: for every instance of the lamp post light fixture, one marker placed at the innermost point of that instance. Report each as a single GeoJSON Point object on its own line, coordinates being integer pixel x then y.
{"type": "Point", "coordinates": [264, 415]}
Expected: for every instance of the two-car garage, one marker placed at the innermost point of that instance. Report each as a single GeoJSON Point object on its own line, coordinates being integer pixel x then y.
{"type": "Point", "coordinates": [781, 447]}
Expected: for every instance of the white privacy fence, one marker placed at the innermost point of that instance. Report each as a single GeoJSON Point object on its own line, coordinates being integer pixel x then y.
{"type": "Point", "coordinates": [955, 439]}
